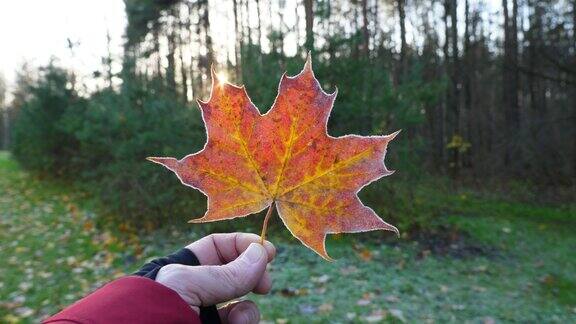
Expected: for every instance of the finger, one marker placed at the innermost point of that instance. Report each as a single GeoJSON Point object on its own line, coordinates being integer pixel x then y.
{"type": "Point", "coordinates": [243, 312]}
{"type": "Point", "coordinates": [223, 248]}
{"type": "Point", "coordinates": [209, 285]}
{"type": "Point", "coordinates": [216, 249]}
{"type": "Point", "coordinates": [264, 285]}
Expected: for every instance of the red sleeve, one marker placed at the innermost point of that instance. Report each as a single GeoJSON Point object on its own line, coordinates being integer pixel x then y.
{"type": "Point", "coordinates": [129, 300]}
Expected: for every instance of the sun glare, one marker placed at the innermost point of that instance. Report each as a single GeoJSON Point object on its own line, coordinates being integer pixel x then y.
{"type": "Point", "coordinates": [222, 77]}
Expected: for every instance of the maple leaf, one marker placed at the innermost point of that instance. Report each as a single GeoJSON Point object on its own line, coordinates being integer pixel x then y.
{"type": "Point", "coordinates": [284, 157]}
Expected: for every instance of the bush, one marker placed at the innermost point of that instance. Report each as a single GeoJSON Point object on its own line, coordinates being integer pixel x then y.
{"type": "Point", "coordinates": [41, 141]}
{"type": "Point", "coordinates": [117, 132]}
{"type": "Point", "coordinates": [101, 142]}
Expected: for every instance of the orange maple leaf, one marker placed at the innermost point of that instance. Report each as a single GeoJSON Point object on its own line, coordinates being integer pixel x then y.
{"type": "Point", "coordinates": [284, 157]}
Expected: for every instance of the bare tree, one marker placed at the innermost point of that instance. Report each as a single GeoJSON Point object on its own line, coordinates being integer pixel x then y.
{"type": "Point", "coordinates": [309, 15]}
{"type": "Point", "coordinates": [400, 6]}
{"type": "Point", "coordinates": [207, 37]}
{"type": "Point", "coordinates": [365, 31]}
{"type": "Point", "coordinates": [466, 79]}
{"type": "Point", "coordinates": [248, 28]}
{"type": "Point", "coordinates": [451, 59]}
{"type": "Point", "coordinates": [237, 40]}
{"type": "Point", "coordinates": [574, 87]}
{"type": "Point", "coordinates": [171, 58]}
{"type": "Point", "coordinates": [510, 77]}
{"type": "Point", "coordinates": [192, 41]}
{"type": "Point", "coordinates": [258, 16]}
{"type": "Point", "coordinates": [183, 25]}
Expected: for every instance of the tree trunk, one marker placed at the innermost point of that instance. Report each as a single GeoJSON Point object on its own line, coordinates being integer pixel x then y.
{"type": "Point", "coordinates": [574, 91]}
{"type": "Point", "coordinates": [207, 37]}
{"type": "Point", "coordinates": [242, 34]}
{"type": "Point", "coordinates": [297, 27]}
{"type": "Point", "coordinates": [506, 77]}
{"type": "Point", "coordinates": [355, 26]}
{"type": "Point", "coordinates": [329, 33]}
{"type": "Point", "coordinates": [248, 29]}
{"type": "Point", "coordinates": [510, 77]}
{"type": "Point", "coordinates": [365, 32]}
{"type": "Point", "coordinates": [192, 43]}
{"type": "Point", "coordinates": [456, 68]}
{"type": "Point", "coordinates": [447, 68]}
{"type": "Point", "coordinates": [467, 74]}
{"type": "Point", "coordinates": [281, 32]}
{"type": "Point", "coordinates": [400, 6]}
{"type": "Point", "coordinates": [156, 35]}
{"type": "Point", "coordinates": [309, 14]}
{"type": "Point", "coordinates": [271, 31]}
{"type": "Point", "coordinates": [183, 71]}
{"type": "Point", "coordinates": [259, 42]}
{"type": "Point", "coordinates": [199, 64]}
{"type": "Point", "coordinates": [434, 112]}
{"type": "Point", "coordinates": [376, 12]}
{"type": "Point", "coordinates": [453, 111]}
{"type": "Point", "coordinates": [5, 126]}
{"type": "Point", "coordinates": [236, 43]}
{"type": "Point", "coordinates": [171, 58]}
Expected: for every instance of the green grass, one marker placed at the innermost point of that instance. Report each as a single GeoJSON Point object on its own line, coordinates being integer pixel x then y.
{"type": "Point", "coordinates": [51, 252]}
{"type": "Point", "coordinates": [515, 264]}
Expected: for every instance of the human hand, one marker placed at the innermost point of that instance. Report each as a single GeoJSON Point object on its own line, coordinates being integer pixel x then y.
{"type": "Point", "coordinates": [232, 265]}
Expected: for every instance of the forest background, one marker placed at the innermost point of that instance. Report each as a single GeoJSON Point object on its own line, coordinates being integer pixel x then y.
{"type": "Point", "coordinates": [484, 92]}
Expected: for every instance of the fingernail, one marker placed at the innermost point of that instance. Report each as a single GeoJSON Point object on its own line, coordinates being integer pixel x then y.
{"type": "Point", "coordinates": [254, 252]}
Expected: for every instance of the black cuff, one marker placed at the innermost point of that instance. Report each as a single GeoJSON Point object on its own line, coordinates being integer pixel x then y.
{"type": "Point", "coordinates": [209, 314]}
{"type": "Point", "coordinates": [182, 256]}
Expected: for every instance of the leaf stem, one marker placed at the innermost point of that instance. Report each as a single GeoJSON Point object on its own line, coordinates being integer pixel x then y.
{"type": "Point", "coordinates": [265, 226]}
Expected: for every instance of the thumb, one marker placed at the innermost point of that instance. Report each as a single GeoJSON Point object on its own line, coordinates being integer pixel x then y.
{"type": "Point", "coordinates": [243, 312]}
{"type": "Point", "coordinates": [211, 285]}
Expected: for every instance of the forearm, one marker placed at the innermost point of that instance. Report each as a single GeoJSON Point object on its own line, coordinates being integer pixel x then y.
{"type": "Point", "coordinates": [130, 299]}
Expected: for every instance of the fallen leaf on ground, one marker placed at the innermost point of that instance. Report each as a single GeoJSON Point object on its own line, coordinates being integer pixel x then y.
{"type": "Point", "coordinates": [366, 299]}
{"type": "Point", "coordinates": [397, 314]}
{"type": "Point", "coordinates": [325, 308]}
{"type": "Point", "coordinates": [291, 292]}
{"type": "Point", "coordinates": [307, 309]}
{"type": "Point", "coordinates": [365, 255]}
{"type": "Point", "coordinates": [348, 270]}
{"type": "Point", "coordinates": [376, 316]}
{"type": "Point", "coordinates": [489, 320]}
{"type": "Point", "coordinates": [392, 299]}
{"type": "Point", "coordinates": [320, 280]}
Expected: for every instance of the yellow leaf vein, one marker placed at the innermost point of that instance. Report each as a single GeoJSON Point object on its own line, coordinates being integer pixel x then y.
{"type": "Point", "coordinates": [336, 166]}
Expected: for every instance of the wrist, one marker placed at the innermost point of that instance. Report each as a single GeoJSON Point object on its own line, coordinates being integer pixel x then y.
{"type": "Point", "coordinates": [173, 276]}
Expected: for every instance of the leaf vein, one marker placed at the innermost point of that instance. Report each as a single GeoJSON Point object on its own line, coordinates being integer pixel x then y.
{"type": "Point", "coordinates": [335, 167]}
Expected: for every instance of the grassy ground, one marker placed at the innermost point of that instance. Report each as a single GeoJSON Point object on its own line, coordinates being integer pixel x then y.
{"type": "Point", "coordinates": [516, 264]}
